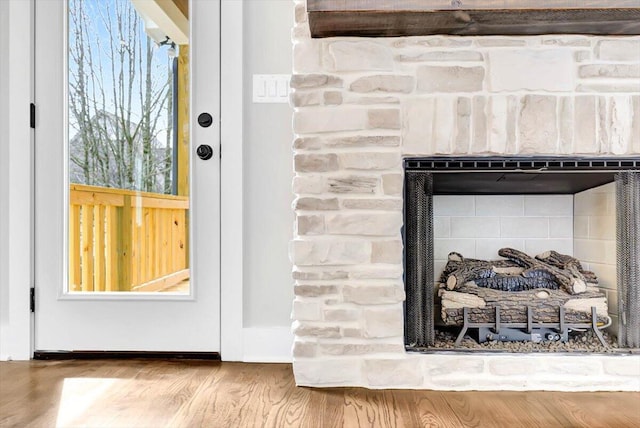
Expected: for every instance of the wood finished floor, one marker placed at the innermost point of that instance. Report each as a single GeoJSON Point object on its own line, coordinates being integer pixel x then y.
{"type": "Point", "coordinates": [143, 393]}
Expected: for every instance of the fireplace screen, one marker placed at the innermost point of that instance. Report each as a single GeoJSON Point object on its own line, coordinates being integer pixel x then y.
{"type": "Point", "coordinates": [549, 294]}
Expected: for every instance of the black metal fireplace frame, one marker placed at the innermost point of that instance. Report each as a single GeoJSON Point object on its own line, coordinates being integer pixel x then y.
{"type": "Point", "coordinates": [428, 176]}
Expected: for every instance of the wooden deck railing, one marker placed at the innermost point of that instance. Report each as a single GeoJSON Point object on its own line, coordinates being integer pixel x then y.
{"type": "Point", "coordinates": [123, 240]}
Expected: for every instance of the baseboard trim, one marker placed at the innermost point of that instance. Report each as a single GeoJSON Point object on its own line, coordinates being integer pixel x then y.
{"type": "Point", "coordinates": [267, 344]}
{"type": "Point", "coordinates": [97, 355]}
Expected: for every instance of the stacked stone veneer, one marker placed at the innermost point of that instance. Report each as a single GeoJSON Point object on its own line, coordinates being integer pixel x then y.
{"type": "Point", "coordinates": [360, 106]}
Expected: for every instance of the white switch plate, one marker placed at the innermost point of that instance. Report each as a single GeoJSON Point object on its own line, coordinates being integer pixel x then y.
{"type": "Point", "coordinates": [271, 88]}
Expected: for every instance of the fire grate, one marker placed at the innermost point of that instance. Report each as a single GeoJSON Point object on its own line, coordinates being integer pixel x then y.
{"type": "Point", "coordinates": [628, 257]}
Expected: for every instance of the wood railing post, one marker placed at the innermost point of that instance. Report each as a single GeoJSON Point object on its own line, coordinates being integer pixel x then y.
{"type": "Point", "coordinates": [124, 245]}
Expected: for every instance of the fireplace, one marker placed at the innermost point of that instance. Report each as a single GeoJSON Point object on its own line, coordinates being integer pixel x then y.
{"type": "Point", "coordinates": [362, 106]}
{"type": "Point", "coordinates": [497, 209]}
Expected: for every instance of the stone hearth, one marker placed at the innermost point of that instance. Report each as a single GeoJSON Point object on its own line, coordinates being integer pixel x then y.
{"type": "Point", "coordinates": [362, 105]}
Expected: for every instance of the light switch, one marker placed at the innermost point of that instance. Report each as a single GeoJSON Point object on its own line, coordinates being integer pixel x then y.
{"type": "Point", "coordinates": [271, 88]}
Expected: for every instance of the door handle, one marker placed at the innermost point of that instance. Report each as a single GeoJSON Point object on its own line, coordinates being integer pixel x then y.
{"type": "Point", "coordinates": [204, 151]}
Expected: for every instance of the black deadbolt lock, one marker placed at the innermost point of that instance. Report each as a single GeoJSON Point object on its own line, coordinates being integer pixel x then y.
{"type": "Point", "coordinates": [205, 120]}
{"type": "Point", "coordinates": [204, 151]}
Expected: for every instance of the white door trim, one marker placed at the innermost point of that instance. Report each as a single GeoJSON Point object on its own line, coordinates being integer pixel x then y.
{"type": "Point", "coordinates": [231, 183]}
{"type": "Point", "coordinates": [16, 328]}
{"type": "Point", "coordinates": [15, 316]}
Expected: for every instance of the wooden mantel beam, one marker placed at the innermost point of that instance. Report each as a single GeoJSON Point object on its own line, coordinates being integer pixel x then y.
{"type": "Point", "coordinates": [390, 18]}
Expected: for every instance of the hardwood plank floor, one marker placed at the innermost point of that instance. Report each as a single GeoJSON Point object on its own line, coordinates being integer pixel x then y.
{"type": "Point", "coordinates": [152, 393]}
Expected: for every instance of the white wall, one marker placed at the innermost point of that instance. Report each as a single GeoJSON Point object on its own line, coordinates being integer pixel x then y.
{"type": "Point", "coordinates": [4, 166]}
{"type": "Point", "coordinates": [268, 170]}
{"type": "Point", "coordinates": [478, 226]}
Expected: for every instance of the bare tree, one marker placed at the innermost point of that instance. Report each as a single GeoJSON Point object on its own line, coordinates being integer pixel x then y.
{"type": "Point", "coordinates": [119, 92]}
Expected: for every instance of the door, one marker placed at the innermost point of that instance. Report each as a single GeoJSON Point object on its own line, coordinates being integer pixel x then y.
{"type": "Point", "coordinates": [127, 214]}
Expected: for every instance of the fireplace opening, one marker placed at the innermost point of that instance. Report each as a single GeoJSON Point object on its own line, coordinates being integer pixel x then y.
{"type": "Point", "coordinates": [522, 254]}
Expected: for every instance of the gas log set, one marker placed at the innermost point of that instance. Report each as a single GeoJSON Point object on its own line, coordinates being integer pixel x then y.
{"type": "Point", "coordinates": [521, 298]}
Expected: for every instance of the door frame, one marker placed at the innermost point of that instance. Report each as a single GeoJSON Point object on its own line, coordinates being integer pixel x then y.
{"type": "Point", "coordinates": [16, 324]}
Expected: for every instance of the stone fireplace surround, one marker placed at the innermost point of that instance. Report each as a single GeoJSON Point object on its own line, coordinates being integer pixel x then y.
{"type": "Point", "coordinates": [361, 105]}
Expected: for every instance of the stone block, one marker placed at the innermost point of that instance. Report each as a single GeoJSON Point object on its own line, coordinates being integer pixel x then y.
{"type": "Point", "coordinates": [386, 252]}
{"type": "Point", "coordinates": [373, 204]}
{"type": "Point", "coordinates": [441, 56]}
{"type": "Point", "coordinates": [449, 79]}
{"type": "Point", "coordinates": [351, 332]}
{"type": "Point", "coordinates": [602, 134]}
{"type": "Point", "coordinates": [300, 12]}
{"type": "Point", "coordinates": [346, 349]}
{"type": "Point", "coordinates": [394, 372]}
{"type": "Point", "coordinates": [479, 138]}
{"type": "Point", "coordinates": [635, 125]}
{"type": "Point", "coordinates": [359, 55]}
{"type": "Point", "coordinates": [300, 32]}
{"type": "Point", "coordinates": [322, 275]}
{"type": "Point", "coordinates": [369, 161]}
{"type": "Point", "coordinates": [372, 224]}
{"type": "Point", "coordinates": [352, 184]}
{"type": "Point", "coordinates": [528, 69]}
{"type": "Point", "coordinates": [315, 162]}
{"type": "Point", "coordinates": [307, 143]}
{"type": "Point", "coordinates": [309, 184]}
{"type": "Point", "coordinates": [310, 225]}
{"type": "Point", "coordinates": [311, 329]}
{"type": "Point", "coordinates": [364, 141]}
{"type": "Point", "coordinates": [373, 294]}
{"type": "Point", "coordinates": [329, 120]}
{"type": "Point", "coordinates": [582, 56]}
{"type": "Point", "coordinates": [497, 123]}
{"type": "Point", "coordinates": [306, 311]}
{"type": "Point", "coordinates": [610, 70]}
{"type": "Point", "coordinates": [417, 125]}
{"type": "Point", "coordinates": [618, 85]}
{"type": "Point", "coordinates": [512, 366]}
{"type": "Point", "coordinates": [559, 366]}
{"type": "Point", "coordinates": [316, 204]}
{"type": "Point", "coordinates": [384, 119]}
{"type": "Point", "coordinates": [332, 98]}
{"type": "Point", "coordinates": [309, 81]}
{"type": "Point", "coordinates": [377, 272]}
{"type": "Point", "coordinates": [499, 42]}
{"type": "Point", "coordinates": [305, 98]}
{"type": "Point", "coordinates": [579, 41]}
{"type": "Point", "coordinates": [362, 100]}
{"type": "Point", "coordinates": [383, 83]}
{"type": "Point", "coordinates": [311, 290]}
{"type": "Point", "coordinates": [623, 366]}
{"type": "Point", "coordinates": [619, 50]}
{"type": "Point", "coordinates": [383, 322]}
{"type": "Point", "coordinates": [310, 253]}
{"type": "Point", "coordinates": [444, 125]}
{"type": "Point", "coordinates": [341, 315]}
{"type": "Point", "coordinates": [513, 106]}
{"type": "Point", "coordinates": [538, 131]}
{"type": "Point", "coordinates": [462, 133]}
{"type": "Point", "coordinates": [392, 184]}
{"type": "Point", "coordinates": [304, 349]}
{"type": "Point", "coordinates": [307, 56]}
{"type": "Point", "coordinates": [445, 365]}
{"type": "Point", "coordinates": [566, 124]}
{"type": "Point", "coordinates": [433, 42]}
{"type": "Point", "coordinates": [620, 124]}
{"type": "Point", "coordinates": [328, 372]}
{"type": "Point", "coordinates": [585, 115]}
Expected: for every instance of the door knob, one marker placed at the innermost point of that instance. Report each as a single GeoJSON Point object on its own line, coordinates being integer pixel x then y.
{"type": "Point", "coordinates": [205, 120]}
{"type": "Point", "coordinates": [204, 151]}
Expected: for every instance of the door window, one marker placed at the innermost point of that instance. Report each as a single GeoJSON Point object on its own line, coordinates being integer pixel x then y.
{"type": "Point", "coordinates": [128, 148]}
